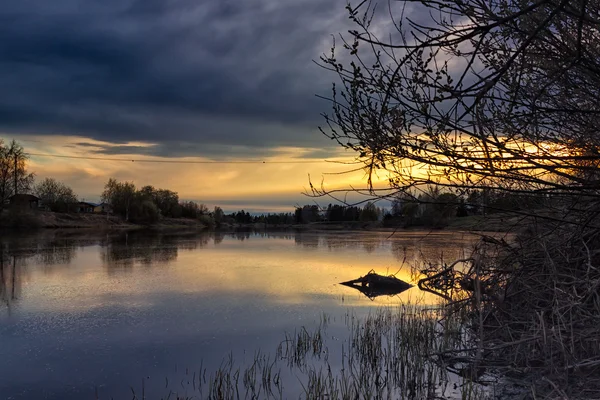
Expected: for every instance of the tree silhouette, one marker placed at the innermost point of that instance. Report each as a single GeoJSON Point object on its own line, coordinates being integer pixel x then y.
{"type": "Point", "coordinates": [498, 94]}
{"type": "Point", "coordinates": [497, 103]}
{"type": "Point", "coordinates": [13, 163]}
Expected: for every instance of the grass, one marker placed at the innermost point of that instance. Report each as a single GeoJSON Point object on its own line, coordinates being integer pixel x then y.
{"type": "Point", "coordinates": [521, 316]}
{"type": "Point", "coordinates": [393, 353]}
{"type": "Point", "coordinates": [533, 307]}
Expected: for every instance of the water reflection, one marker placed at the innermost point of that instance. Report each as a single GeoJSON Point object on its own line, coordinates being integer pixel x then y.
{"type": "Point", "coordinates": [52, 252]}
{"type": "Point", "coordinates": [81, 310]}
{"type": "Point", "coordinates": [373, 285]}
{"type": "Point", "coordinates": [10, 280]}
{"type": "Point", "coordinates": [130, 248]}
{"type": "Point", "coordinates": [46, 249]}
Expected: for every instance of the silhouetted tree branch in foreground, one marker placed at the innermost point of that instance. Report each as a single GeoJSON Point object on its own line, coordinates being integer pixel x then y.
{"type": "Point", "coordinates": [487, 94]}
{"type": "Point", "coordinates": [497, 95]}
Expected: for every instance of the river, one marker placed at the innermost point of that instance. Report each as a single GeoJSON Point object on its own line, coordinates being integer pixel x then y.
{"type": "Point", "coordinates": [105, 315]}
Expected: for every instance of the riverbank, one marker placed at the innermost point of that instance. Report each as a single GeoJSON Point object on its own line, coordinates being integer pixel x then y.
{"type": "Point", "coordinates": [50, 220]}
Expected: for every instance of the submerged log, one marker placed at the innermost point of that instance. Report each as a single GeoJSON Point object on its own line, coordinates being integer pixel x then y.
{"type": "Point", "coordinates": [373, 285]}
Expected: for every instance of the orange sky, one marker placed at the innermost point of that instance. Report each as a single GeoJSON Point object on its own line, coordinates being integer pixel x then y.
{"type": "Point", "coordinates": [257, 187]}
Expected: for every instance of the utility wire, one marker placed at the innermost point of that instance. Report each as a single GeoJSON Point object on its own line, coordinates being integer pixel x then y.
{"type": "Point", "coordinates": [178, 161]}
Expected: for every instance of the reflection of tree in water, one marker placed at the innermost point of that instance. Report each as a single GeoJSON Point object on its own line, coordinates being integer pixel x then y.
{"type": "Point", "coordinates": [338, 241]}
{"type": "Point", "coordinates": [151, 248]}
{"type": "Point", "coordinates": [20, 252]}
{"type": "Point", "coordinates": [10, 278]}
{"type": "Point", "coordinates": [275, 234]}
{"type": "Point", "coordinates": [242, 234]}
{"type": "Point", "coordinates": [371, 244]}
{"type": "Point", "coordinates": [130, 248]}
{"type": "Point", "coordinates": [50, 250]}
{"type": "Point", "coordinates": [334, 242]}
{"type": "Point", "coordinates": [414, 249]}
{"type": "Point", "coordinates": [418, 252]}
{"type": "Point", "coordinates": [400, 251]}
{"type": "Point", "coordinates": [219, 236]}
{"type": "Point", "coordinates": [307, 239]}
{"type": "Point", "coordinates": [47, 250]}
{"type": "Point", "coordinates": [57, 252]}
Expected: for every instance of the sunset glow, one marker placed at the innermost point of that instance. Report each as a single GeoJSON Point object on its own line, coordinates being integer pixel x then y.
{"type": "Point", "coordinates": [275, 183]}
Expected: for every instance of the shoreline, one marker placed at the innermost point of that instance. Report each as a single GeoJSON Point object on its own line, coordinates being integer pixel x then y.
{"type": "Point", "coordinates": [43, 220]}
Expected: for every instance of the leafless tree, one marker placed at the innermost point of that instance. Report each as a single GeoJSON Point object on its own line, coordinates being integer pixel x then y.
{"type": "Point", "coordinates": [13, 169]}
{"type": "Point", "coordinates": [55, 195]}
{"type": "Point", "coordinates": [501, 95]}
{"type": "Point", "coordinates": [478, 94]}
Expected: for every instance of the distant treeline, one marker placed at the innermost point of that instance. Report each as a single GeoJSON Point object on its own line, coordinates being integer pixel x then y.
{"type": "Point", "coordinates": [436, 207]}
{"type": "Point", "coordinates": [338, 213]}
{"type": "Point", "coordinates": [244, 217]}
{"type": "Point", "coordinates": [310, 213]}
{"type": "Point", "coordinates": [433, 207]}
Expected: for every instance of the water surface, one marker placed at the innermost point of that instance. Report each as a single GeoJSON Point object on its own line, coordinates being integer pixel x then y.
{"type": "Point", "coordinates": [82, 314]}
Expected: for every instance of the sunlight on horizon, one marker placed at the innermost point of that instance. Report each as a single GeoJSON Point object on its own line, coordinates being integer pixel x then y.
{"type": "Point", "coordinates": [294, 269]}
{"type": "Point", "coordinates": [275, 182]}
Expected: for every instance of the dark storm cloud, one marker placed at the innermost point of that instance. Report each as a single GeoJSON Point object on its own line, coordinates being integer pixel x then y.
{"type": "Point", "coordinates": [194, 149]}
{"type": "Point", "coordinates": [213, 72]}
{"type": "Point", "coordinates": [183, 149]}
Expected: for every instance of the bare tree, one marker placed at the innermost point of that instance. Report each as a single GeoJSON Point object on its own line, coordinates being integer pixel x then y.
{"type": "Point", "coordinates": [120, 195]}
{"type": "Point", "coordinates": [504, 97]}
{"type": "Point", "coordinates": [13, 170]}
{"type": "Point", "coordinates": [56, 195]}
{"type": "Point", "coordinates": [499, 94]}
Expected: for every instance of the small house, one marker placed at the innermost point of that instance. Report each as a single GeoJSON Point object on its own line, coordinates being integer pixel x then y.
{"type": "Point", "coordinates": [86, 207]}
{"type": "Point", "coordinates": [24, 201]}
{"type": "Point", "coordinates": [103, 208]}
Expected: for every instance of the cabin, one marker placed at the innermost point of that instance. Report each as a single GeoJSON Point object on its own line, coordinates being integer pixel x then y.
{"type": "Point", "coordinates": [103, 208]}
{"type": "Point", "coordinates": [85, 207]}
{"type": "Point", "coordinates": [24, 201]}
{"type": "Point", "coordinates": [96, 208]}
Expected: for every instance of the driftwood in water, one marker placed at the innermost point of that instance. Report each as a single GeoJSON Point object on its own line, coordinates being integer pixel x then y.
{"type": "Point", "coordinates": [373, 285]}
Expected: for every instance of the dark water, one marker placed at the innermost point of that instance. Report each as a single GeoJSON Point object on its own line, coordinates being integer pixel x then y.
{"type": "Point", "coordinates": [82, 314]}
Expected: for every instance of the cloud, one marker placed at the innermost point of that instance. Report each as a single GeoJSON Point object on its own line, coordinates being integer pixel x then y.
{"type": "Point", "coordinates": [275, 185]}
{"type": "Point", "coordinates": [215, 72]}
{"type": "Point", "coordinates": [180, 78]}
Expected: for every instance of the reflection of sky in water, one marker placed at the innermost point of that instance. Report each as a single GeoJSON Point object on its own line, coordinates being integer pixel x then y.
{"type": "Point", "coordinates": [107, 311]}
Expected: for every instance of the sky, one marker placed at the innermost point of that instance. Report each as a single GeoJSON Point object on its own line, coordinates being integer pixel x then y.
{"type": "Point", "coordinates": [175, 80]}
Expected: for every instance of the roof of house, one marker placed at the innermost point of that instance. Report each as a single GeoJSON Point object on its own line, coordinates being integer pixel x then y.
{"type": "Point", "coordinates": [23, 196]}
{"type": "Point", "coordinates": [87, 203]}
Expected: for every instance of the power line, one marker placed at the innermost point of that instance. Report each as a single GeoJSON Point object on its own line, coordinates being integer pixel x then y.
{"type": "Point", "coordinates": [178, 161]}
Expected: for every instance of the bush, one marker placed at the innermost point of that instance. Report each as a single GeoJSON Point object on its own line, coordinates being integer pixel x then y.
{"type": "Point", "coordinates": [207, 220]}
{"type": "Point", "coordinates": [533, 305]}
{"type": "Point", "coordinates": [146, 213]}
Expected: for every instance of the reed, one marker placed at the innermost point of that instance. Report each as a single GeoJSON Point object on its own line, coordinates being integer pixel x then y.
{"type": "Point", "coordinates": [391, 353]}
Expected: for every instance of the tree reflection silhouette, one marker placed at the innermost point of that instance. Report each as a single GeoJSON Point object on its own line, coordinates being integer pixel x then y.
{"type": "Point", "coordinates": [149, 248]}
{"type": "Point", "coordinates": [50, 252]}
{"type": "Point", "coordinates": [307, 239]}
{"type": "Point", "coordinates": [10, 279]}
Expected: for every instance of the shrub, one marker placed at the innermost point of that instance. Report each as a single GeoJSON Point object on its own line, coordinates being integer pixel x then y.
{"type": "Point", "coordinates": [207, 220]}
{"type": "Point", "coordinates": [147, 213]}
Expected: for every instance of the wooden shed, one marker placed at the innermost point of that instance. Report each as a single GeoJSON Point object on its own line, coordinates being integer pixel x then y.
{"type": "Point", "coordinates": [24, 201]}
